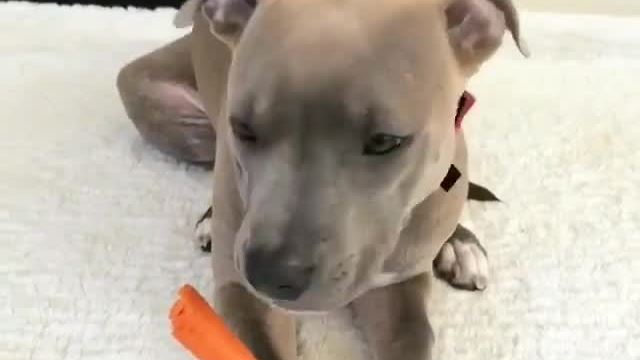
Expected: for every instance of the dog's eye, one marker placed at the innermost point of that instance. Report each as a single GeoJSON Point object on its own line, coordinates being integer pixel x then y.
{"type": "Point", "coordinates": [381, 144]}
{"type": "Point", "coordinates": [244, 132]}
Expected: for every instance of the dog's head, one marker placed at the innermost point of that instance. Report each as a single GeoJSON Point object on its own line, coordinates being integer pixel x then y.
{"type": "Point", "coordinates": [340, 120]}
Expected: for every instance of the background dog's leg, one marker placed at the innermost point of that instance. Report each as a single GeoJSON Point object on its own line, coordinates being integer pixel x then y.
{"type": "Point", "coordinates": [158, 91]}
{"type": "Point", "coordinates": [203, 231]}
{"type": "Point", "coordinates": [462, 261]}
{"type": "Point", "coordinates": [394, 320]}
{"type": "Point", "coordinates": [269, 333]}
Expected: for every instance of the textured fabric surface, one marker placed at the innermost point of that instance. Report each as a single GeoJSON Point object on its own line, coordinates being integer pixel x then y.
{"type": "Point", "coordinates": [95, 225]}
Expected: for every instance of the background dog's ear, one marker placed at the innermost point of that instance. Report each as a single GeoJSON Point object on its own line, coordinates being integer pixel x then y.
{"type": "Point", "coordinates": [227, 18]}
{"type": "Point", "coordinates": [476, 28]}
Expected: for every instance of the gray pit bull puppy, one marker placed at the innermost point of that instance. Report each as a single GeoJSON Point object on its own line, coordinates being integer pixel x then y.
{"type": "Point", "coordinates": [332, 128]}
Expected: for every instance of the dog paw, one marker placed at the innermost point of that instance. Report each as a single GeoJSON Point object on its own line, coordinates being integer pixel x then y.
{"type": "Point", "coordinates": [202, 234]}
{"type": "Point", "coordinates": [463, 262]}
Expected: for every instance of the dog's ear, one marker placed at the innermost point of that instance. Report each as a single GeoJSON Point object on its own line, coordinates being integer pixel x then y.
{"type": "Point", "coordinates": [476, 28]}
{"type": "Point", "coordinates": [226, 18]}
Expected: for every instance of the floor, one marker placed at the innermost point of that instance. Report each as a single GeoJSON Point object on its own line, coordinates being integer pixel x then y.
{"type": "Point", "coordinates": [602, 7]}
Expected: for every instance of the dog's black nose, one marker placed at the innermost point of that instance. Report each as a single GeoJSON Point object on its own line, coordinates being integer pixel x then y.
{"type": "Point", "coordinates": [276, 276]}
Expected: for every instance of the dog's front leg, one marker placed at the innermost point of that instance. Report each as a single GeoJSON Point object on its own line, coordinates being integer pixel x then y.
{"type": "Point", "coordinates": [394, 320]}
{"type": "Point", "coordinates": [269, 333]}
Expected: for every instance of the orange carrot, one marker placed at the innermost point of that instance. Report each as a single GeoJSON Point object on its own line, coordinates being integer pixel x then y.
{"type": "Point", "coordinates": [201, 330]}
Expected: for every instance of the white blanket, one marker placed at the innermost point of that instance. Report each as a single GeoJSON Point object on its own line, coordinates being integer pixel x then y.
{"type": "Point", "coordinates": [95, 225]}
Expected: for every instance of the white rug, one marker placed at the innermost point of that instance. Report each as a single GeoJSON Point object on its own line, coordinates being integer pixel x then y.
{"type": "Point", "coordinates": [95, 224]}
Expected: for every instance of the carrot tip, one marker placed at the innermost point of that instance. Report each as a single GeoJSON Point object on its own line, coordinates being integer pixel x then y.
{"type": "Point", "coordinates": [201, 331]}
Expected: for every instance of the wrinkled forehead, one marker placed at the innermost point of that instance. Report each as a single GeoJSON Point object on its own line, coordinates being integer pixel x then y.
{"type": "Point", "coordinates": [367, 56]}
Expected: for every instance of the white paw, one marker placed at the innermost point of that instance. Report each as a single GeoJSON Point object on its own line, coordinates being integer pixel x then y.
{"type": "Point", "coordinates": [463, 264]}
{"type": "Point", "coordinates": [202, 234]}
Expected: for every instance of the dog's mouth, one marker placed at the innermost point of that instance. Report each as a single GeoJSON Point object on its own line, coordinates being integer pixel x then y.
{"type": "Point", "coordinates": [315, 301]}
{"type": "Point", "coordinates": [318, 300]}
{"type": "Point", "coordinates": [295, 309]}
{"type": "Point", "coordinates": [308, 306]}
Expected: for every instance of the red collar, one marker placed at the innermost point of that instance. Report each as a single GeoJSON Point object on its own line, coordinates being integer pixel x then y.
{"type": "Point", "coordinates": [464, 105]}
